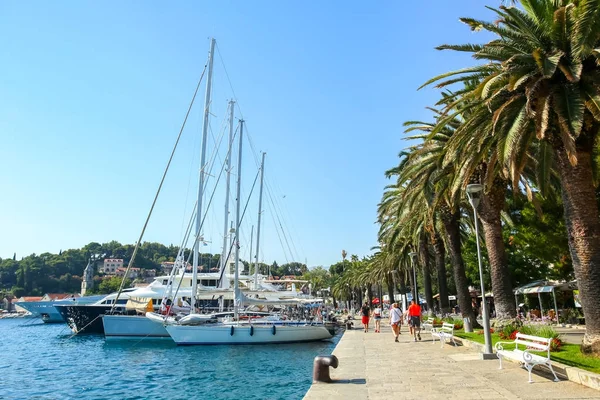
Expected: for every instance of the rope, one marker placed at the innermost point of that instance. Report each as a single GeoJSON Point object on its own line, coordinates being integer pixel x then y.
{"type": "Point", "coordinates": [82, 329]}
{"type": "Point", "coordinates": [138, 243]}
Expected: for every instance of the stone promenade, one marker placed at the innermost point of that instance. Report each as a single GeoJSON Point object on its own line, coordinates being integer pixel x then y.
{"type": "Point", "coordinates": [373, 366]}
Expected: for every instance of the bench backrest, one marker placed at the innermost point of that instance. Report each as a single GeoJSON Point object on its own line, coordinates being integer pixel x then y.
{"type": "Point", "coordinates": [448, 327]}
{"type": "Point", "coordinates": [534, 342]}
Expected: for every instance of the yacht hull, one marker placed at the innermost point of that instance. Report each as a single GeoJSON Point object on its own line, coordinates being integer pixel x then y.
{"type": "Point", "coordinates": [86, 318]}
{"type": "Point", "coordinates": [127, 327]}
{"type": "Point", "coordinates": [43, 309]}
{"type": "Point", "coordinates": [248, 334]}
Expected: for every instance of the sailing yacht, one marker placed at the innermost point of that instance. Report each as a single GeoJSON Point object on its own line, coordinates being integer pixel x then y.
{"type": "Point", "coordinates": [236, 331]}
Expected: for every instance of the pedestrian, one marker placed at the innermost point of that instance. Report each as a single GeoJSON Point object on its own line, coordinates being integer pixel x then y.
{"type": "Point", "coordinates": [414, 314]}
{"type": "Point", "coordinates": [377, 318]}
{"type": "Point", "coordinates": [366, 315]}
{"type": "Point", "coordinates": [396, 320]}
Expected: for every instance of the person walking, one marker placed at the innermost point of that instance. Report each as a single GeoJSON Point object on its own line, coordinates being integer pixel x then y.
{"type": "Point", "coordinates": [414, 314]}
{"type": "Point", "coordinates": [396, 320]}
{"type": "Point", "coordinates": [377, 318]}
{"type": "Point", "coordinates": [366, 316]}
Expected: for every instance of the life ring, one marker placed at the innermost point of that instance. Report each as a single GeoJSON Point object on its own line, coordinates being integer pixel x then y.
{"type": "Point", "coordinates": [251, 331]}
{"type": "Point", "coordinates": [274, 330]}
{"type": "Point", "coordinates": [232, 330]}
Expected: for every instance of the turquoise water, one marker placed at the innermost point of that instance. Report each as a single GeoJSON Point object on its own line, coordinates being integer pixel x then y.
{"type": "Point", "coordinates": [41, 361]}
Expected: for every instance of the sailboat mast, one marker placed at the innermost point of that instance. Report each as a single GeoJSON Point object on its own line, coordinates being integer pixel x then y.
{"type": "Point", "coordinates": [207, 100]}
{"type": "Point", "coordinates": [224, 284]}
{"type": "Point", "coordinates": [260, 196]}
{"type": "Point", "coordinates": [251, 239]}
{"type": "Point", "coordinates": [237, 226]}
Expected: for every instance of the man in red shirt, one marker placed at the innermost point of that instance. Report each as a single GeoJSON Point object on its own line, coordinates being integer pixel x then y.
{"type": "Point", "coordinates": [414, 317]}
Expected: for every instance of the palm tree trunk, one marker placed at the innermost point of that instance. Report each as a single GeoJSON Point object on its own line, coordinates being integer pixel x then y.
{"type": "Point", "coordinates": [370, 295]}
{"type": "Point", "coordinates": [389, 282]}
{"type": "Point", "coordinates": [491, 205]}
{"type": "Point", "coordinates": [440, 264]}
{"type": "Point", "coordinates": [583, 228]}
{"type": "Point", "coordinates": [426, 265]}
{"type": "Point", "coordinates": [452, 226]}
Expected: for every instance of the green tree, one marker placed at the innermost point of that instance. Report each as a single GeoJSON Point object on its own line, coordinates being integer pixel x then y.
{"type": "Point", "coordinates": [540, 89]}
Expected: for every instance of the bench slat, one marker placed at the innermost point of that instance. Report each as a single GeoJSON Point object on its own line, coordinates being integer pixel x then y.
{"type": "Point", "coordinates": [534, 345]}
{"type": "Point", "coordinates": [534, 338]}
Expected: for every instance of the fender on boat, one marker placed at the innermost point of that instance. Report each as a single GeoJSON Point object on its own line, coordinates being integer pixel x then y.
{"type": "Point", "coordinates": [274, 330]}
{"type": "Point", "coordinates": [251, 331]}
{"type": "Point", "coordinates": [232, 330]}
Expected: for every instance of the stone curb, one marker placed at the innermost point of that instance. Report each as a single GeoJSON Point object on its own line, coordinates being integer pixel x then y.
{"type": "Point", "coordinates": [573, 374]}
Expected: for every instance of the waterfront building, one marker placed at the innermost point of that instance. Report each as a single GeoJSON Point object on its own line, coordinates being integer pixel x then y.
{"type": "Point", "coordinates": [111, 265]}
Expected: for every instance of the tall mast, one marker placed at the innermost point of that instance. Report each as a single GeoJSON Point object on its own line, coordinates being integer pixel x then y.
{"type": "Point", "coordinates": [262, 176]}
{"type": "Point", "coordinates": [224, 284]}
{"type": "Point", "coordinates": [202, 173]}
{"type": "Point", "coordinates": [237, 226]}
{"type": "Point", "coordinates": [251, 239]}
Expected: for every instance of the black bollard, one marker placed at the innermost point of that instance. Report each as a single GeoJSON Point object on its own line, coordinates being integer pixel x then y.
{"type": "Point", "coordinates": [321, 368]}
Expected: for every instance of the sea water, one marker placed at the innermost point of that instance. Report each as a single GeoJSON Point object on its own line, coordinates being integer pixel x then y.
{"type": "Point", "coordinates": [44, 361]}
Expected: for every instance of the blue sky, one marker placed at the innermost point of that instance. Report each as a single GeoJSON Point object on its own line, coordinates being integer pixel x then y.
{"type": "Point", "coordinates": [94, 93]}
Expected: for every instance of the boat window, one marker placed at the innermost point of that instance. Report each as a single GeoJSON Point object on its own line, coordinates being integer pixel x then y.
{"type": "Point", "coordinates": [165, 282]}
{"type": "Point", "coordinates": [209, 282]}
{"type": "Point", "coordinates": [122, 301]}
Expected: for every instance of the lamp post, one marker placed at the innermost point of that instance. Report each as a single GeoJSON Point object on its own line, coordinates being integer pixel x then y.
{"type": "Point", "coordinates": [474, 192]}
{"type": "Point", "coordinates": [344, 254]}
{"type": "Point", "coordinates": [413, 258]}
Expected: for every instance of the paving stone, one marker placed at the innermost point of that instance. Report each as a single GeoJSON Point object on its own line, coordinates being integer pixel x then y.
{"type": "Point", "coordinates": [373, 366]}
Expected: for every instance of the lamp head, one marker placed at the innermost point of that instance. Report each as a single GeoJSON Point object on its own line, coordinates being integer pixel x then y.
{"type": "Point", "coordinates": [413, 255]}
{"type": "Point", "coordinates": [474, 192]}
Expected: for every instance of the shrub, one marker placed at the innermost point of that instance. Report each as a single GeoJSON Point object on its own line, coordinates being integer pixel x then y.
{"type": "Point", "coordinates": [556, 344]}
{"type": "Point", "coordinates": [507, 331]}
{"type": "Point", "coordinates": [458, 323]}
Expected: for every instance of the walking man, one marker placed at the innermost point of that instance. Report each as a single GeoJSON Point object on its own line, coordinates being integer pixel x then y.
{"type": "Point", "coordinates": [414, 315]}
{"type": "Point", "coordinates": [396, 320]}
{"type": "Point", "coordinates": [366, 315]}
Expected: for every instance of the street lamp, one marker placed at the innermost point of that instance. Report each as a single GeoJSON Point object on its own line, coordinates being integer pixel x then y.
{"type": "Point", "coordinates": [413, 260]}
{"type": "Point", "coordinates": [474, 192]}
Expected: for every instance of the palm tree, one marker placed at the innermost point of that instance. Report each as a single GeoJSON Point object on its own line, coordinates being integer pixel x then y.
{"type": "Point", "coordinates": [542, 84]}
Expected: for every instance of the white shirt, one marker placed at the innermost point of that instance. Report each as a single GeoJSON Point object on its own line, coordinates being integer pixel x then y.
{"type": "Point", "coordinates": [395, 315]}
{"type": "Point", "coordinates": [377, 312]}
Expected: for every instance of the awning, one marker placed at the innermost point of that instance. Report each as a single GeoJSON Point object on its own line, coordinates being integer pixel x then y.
{"type": "Point", "coordinates": [545, 287]}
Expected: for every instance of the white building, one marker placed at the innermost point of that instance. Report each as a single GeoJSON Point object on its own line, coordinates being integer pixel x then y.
{"type": "Point", "coordinates": [111, 265]}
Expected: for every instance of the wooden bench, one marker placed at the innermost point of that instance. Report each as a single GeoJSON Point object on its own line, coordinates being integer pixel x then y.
{"type": "Point", "coordinates": [446, 331]}
{"type": "Point", "coordinates": [529, 360]}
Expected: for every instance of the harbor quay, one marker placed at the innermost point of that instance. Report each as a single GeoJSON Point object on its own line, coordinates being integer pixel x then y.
{"type": "Point", "coordinates": [373, 366]}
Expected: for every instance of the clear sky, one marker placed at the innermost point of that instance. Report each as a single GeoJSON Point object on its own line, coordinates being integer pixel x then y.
{"type": "Point", "coordinates": [92, 95]}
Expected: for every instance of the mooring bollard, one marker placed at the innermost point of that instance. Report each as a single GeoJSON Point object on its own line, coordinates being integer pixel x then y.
{"type": "Point", "coordinates": [321, 368]}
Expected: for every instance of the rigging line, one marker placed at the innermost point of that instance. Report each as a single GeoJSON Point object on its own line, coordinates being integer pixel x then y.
{"type": "Point", "coordinates": [137, 245]}
{"type": "Point", "coordinates": [276, 206]}
{"type": "Point", "coordinates": [282, 230]}
{"type": "Point", "coordinates": [276, 212]}
{"type": "Point", "coordinates": [281, 211]}
{"type": "Point", "coordinates": [204, 216]}
{"type": "Point", "coordinates": [278, 235]}
{"type": "Point", "coordinates": [229, 80]}
{"type": "Point", "coordinates": [236, 237]}
{"type": "Point", "coordinates": [187, 193]}
{"type": "Point", "coordinates": [217, 145]}
{"type": "Point", "coordinates": [196, 240]}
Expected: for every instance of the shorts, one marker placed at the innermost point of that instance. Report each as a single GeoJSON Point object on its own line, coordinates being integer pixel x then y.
{"type": "Point", "coordinates": [365, 319]}
{"type": "Point", "coordinates": [377, 317]}
{"type": "Point", "coordinates": [415, 321]}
